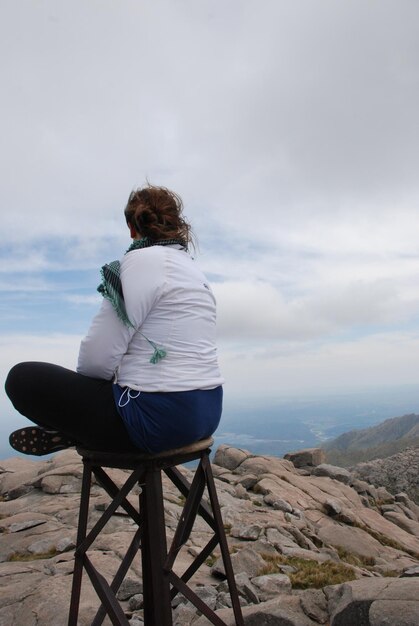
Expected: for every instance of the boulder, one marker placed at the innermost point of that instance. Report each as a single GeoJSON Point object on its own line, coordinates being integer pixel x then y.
{"type": "Point", "coordinates": [332, 471]}
{"type": "Point", "coordinates": [374, 602]}
{"type": "Point", "coordinates": [230, 458]}
{"type": "Point", "coordinates": [306, 457]}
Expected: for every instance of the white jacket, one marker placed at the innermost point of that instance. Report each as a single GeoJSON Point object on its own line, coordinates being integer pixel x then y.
{"type": "Point", "coordinates": [168, 299]}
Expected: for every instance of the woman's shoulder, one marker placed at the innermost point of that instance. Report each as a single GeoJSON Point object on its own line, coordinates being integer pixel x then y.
{"type": "Point", "coordinates": [154, 257]}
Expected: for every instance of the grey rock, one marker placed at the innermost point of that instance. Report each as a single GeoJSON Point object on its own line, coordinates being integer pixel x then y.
{"type": "Point", "coordinates": [410, 571]}
{"type": "Point", "coordinates": [314, 605]}
{"type": "Point", "coordinates": [308, 456]}
{"type": "Point", "coordinates": [246, 560]}
{"type": "Point", "coordinates": [241, 492]}
{"type": "Point", "coordinates": [277, 503]}
{"type": "Point", "coordinates": [136, 602]}
{"type": "Point", "coordinates": [384, 495]}
{"type": "Point", "coordinates": [248, 481]}
{"type": "Point", "coordinates": [245, 589]}
{"type": "Point", "coordinates": [397, 473]}
{"type": "Point", "coordinates": [249, 533]}
{"type": "Point", "coordinates": [129, 587]}
{"type": "Point", "coordinates": [65, 544]}
{"type": "Point", "coordinates": [391, 612]}
{"type": "Point", "coordinates": [407, 524]}
{"type": "Point", "coordinates": [332, 471]}
{"type": "Point", "coordinates": [271, 585]}
{"type": "Point", "coordinates": [18, 526]}
{"type": "Point", "coordinates": [207, 594]}
{"type": "Point", "coordinates": [350, 603]}
{"type": "Point", "coordinates": [42, 546]}
{"type": "Point", "coordinates": [184, 615]}
{"type": "Point", "coordinates": [333, 507]}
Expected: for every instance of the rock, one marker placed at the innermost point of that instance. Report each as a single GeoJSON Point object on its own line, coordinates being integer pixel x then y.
{"type": "Point", "coordinates": [129, 587]}
{"type": "Point", "coordinates": [136, 602]}
{"type": "Point", "coordinates": [391, 612]}
{"type": "Point", "coordinates": [397, 473]}
{"type": "Point", "coordinates": [410, 571]}
{"type": "Point", "coordinates": [352, 540]}
{"type": "Point", "coordinates": [207, 594]}
{"type": "Point", "coordinates": [333, 507]}
{"type": "Point", "coordinates": [280, 540]}
{"type": "Point", "coordinates": [241, 492]}
{"type": "Point", "coordinates": [184, 615]}
{"type": "Point", "coordinates": [314, 605]}
{"type": "Point", "coordinates": [17, 527]}
{"type": "Point", "coordinates": [308, 456]}
{"type": "Point", "coordinates": [332, 471]}
{"type": "Point", "coordinates": [369, 603]}
{"type": "Point", "coordinates": [246, 560]}
{"type": "Point", "coordinates": [248, 481]}
{"type": "Point", "coordinates": [362, 487]}
{"type": "Point", "coordinates": [277, 503]}
{"type": "Point", "coordinates": [286, 611]}
{"type": "Point", "coordinates": [403, 522]}
{"type": "Point", "coordinates": [264, 500]}
{"type": "Point", "coordinates": [229, 457]}
{"type": "Point", "coordinates": [271, 585]}
{"type": "Point", "coordinates": [248, 533]}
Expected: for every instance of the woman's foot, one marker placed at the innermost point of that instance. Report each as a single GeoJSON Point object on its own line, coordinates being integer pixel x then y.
{"type": "Point", "coordinates": [38, 441]}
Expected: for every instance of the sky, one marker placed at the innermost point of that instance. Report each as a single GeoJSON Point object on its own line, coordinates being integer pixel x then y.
{"type": "Point", "coordinates": [291, 130]}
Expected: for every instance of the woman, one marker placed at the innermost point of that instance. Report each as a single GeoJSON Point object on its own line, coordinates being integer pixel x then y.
{"type": "Point", "coordinates": [147, 375]}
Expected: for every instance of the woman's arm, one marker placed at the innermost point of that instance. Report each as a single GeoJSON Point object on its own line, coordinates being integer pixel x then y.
{"type": "Point", "coordinates": [105, 344]}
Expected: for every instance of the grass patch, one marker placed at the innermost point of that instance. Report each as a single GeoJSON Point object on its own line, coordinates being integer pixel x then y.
{"type": "Point", "coordinates": [28, 556]}
{"type": "Point", "coordinates": [355, 559]}
{"type": "Point", "coordinates": [210, 560]}
{"type": "Point", "coordinates": [310, 574]}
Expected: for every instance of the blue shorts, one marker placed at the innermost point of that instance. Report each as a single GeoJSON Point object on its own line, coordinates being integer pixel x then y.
{"type": "Point", "coordinates": [163, 420]}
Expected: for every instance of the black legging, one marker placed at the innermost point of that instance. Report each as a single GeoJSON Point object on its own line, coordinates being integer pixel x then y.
{"type": "Point", "coordinates": [80, 407]}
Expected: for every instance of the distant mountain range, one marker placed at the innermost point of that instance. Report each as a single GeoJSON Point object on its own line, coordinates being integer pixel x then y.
{"type": "Point", "coordinates": [390, 437]}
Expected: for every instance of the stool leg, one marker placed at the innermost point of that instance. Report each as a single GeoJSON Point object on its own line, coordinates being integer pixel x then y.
{"type": "Point", "coordinates": [156, 587]}
{"type": "Point", "coordinates": [81, 534]}
{"type": "Point", "coordinates": [212, 492]}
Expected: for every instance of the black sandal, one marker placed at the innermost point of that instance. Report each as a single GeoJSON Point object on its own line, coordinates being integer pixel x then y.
{"type": "Point", "coordinates": [38, 441]}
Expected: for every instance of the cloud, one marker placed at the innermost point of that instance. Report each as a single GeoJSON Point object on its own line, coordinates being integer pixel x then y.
{"type": "Point", "coordinates": [249, 311]}
{"type": "Point", "coordinates": [290, 130]}
{"type": "Point", "coordinates": [377, 361]}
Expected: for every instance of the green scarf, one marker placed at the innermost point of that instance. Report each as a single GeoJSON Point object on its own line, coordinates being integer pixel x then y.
{"type": "Point", "coordinates": [111, 287]}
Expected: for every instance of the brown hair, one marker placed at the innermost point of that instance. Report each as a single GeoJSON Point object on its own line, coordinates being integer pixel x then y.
{"type": "Point", "coordinates": [156, 212]}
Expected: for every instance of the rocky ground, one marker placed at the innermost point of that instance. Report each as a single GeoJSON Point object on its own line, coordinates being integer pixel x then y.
{"type": "Point", "coordinates": [399, 472]}
{"type": "Point", "coordinates": [311, 544]}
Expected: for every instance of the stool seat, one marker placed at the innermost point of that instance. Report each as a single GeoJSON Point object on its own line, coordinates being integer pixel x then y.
{"type": "Point", "coordinates": [130, 458]}
{"type": "Point", "coordinates": [160, 582]}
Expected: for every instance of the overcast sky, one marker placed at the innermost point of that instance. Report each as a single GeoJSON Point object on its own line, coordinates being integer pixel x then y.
{"type": "Point", "coordinates": [291, 130]}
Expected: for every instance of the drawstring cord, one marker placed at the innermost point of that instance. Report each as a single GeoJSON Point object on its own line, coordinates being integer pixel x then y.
{"type": "Point", "coordinates": [127, 391]}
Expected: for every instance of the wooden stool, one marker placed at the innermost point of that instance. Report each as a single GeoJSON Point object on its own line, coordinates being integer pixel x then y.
{"type": "Point", "coordinates": [160, 583]}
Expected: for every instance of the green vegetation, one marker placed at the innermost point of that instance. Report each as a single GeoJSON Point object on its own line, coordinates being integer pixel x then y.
{"type": "Point", "coordinates": [310, 574]}
{"type": "Point", "coordinates": [355, 559]}
{"type": "Point", "coordinates": [210, 560]}
{"type": "Point", "coordinates": [28, 556]}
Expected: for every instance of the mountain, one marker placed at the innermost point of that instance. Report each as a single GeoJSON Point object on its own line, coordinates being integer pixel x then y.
{"type": "Point", "coordinates": [387, 438]}
{"type": "Point", "coordinates": [310, 545]}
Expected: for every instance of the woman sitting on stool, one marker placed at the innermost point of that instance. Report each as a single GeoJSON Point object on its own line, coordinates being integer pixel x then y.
{"type": "Point", "coordinates": [147, 377]}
